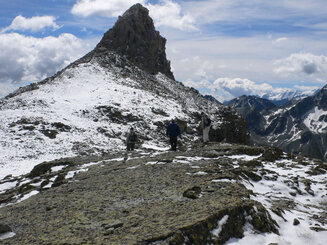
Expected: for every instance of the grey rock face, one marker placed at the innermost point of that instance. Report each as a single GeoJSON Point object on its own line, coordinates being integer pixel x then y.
{"type": "Point", "coordinates": [135, 37]}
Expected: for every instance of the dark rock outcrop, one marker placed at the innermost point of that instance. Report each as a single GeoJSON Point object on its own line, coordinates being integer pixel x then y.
{"type": "Point", "coordinates": [4, 228]}
{"type": "Point", "coordinates": [234, 130]}
{"type": "Point", "coordinates": [135, 37]}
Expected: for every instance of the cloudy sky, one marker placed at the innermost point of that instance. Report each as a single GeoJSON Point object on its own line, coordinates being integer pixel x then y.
{"type": "Point", "coordinates": [225, 48]}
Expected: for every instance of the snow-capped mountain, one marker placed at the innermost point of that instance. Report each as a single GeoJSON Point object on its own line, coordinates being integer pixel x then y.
{"type": "Point", "coordinates": [88, 107]}
{"type": "Point", "coordinates": [300, 127]}
{"type": "Point", "coordinates": [287, 95]}
{"type": "Point", "coordinates": [281, 96]}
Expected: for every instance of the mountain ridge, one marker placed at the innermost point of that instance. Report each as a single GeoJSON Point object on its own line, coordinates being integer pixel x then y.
{"type": "Point", "coordinates": [87, 108]}
{"type": "Point", "coordinates": [298, 127]}
{"type": "Point", "coordinates": [66, 177]}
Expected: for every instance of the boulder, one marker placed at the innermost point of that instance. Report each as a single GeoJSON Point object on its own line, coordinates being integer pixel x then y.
{"type": "Point", "coordinates": [4, 229]}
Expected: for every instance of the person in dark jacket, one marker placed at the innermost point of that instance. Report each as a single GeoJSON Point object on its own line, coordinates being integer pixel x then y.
{"type": "Point", "coordinates": [173, 132]}
{"type": "Point", "coordinates": [131, 139]}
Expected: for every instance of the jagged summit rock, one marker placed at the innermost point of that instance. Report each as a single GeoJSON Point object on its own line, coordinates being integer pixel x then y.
{"type": "Point", "coordinates": [135, 37]}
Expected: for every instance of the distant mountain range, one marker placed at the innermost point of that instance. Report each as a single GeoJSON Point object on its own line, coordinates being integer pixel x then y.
{"type": "Point", "coordinates": [284, 97]}
{"type": "Point", "coordinates": [289, 94]}
{"type": "Point", "coordinates": [297, 127]}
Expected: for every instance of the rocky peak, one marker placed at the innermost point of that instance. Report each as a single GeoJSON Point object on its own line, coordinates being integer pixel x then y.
{"type": "Point", "coordinates": [321, 98]}
{"type": "Point", "coordinates": [212, 99]}
{"type": "Point", "coordinates": [250, 102]}
{"type": "Point", "coordinates": [135, 37]}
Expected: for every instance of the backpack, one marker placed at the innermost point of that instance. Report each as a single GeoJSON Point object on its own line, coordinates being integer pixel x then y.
{"type": "Point", "coordinates": [132, 137]}
{"type": "Point", "coordinates": [207, 122]}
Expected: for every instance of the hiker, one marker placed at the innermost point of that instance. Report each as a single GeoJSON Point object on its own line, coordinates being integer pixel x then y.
{"type": "Point", "coordinates": [173, 132]}
{"type": "Point", "coordinates": [205, 123]}
{"type": "Point", "coordinates": [131, 139]}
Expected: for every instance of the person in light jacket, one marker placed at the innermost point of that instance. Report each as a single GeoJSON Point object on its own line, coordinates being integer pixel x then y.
{"type": "Point", "coordinates": [205, 123]}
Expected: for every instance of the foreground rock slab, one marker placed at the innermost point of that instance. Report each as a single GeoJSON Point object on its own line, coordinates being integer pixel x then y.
{"type": "Point", "coordinates": [143, 198]}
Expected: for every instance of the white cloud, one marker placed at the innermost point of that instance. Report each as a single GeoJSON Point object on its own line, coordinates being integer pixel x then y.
{"type": "Point", "coordinates": [6, 88]}
{"type": "Point", "coordinates": [228, 88]}
{"type": "Point", "coordinates": [237, 87]}
{"type": "Point", "coordinates": [225, 10]}
{"type": "Point", "coordinates": [30, 59]}
{"type": "Point", "coordinates": [208, 11]}
{"type": "Point", "coordinates": [209, 58]}
{"type": "Point", "coordinates": [280, 40]}
{"type": "Point", "coordinates": [34, 24]}
{"type": "Point", "coordinates": [306, 88]}
{"type": "Point", "coordinates": [104, 8]}
{"type": "Point", "coordinates": [300, 64]}
{"type": "Point", "coordinates": [253, 57]}
{"type": "Point", "coordinates": [225, 89]}
{"type": "Point", "coordinates": [166, 13]}
{"type": "Point", "coordinates": [170, 14]}
{"type": "Point", "coordinates": [204, 84]}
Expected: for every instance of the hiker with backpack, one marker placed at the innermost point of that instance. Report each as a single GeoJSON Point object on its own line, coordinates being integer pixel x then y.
{"type": "Point", "coordinates": [205, 123]}
{"type": "Point", "coordinates": [173, 132]}
{"type": "Point", "coordinates": [131, 139]}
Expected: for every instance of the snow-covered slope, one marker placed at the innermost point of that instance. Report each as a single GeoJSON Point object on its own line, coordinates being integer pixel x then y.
{"type": "Point", "coordinates": [316, 120]}
{"type": "Point", "coordinates": [88, 109]}
{"type": "Point", "coordinates": [295, 195]}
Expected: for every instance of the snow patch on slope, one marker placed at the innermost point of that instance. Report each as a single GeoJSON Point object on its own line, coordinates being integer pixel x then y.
{"type": "Point", "coordinates": [313, 123]}
{"type": "Point", "coordinates": [288, 186]}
